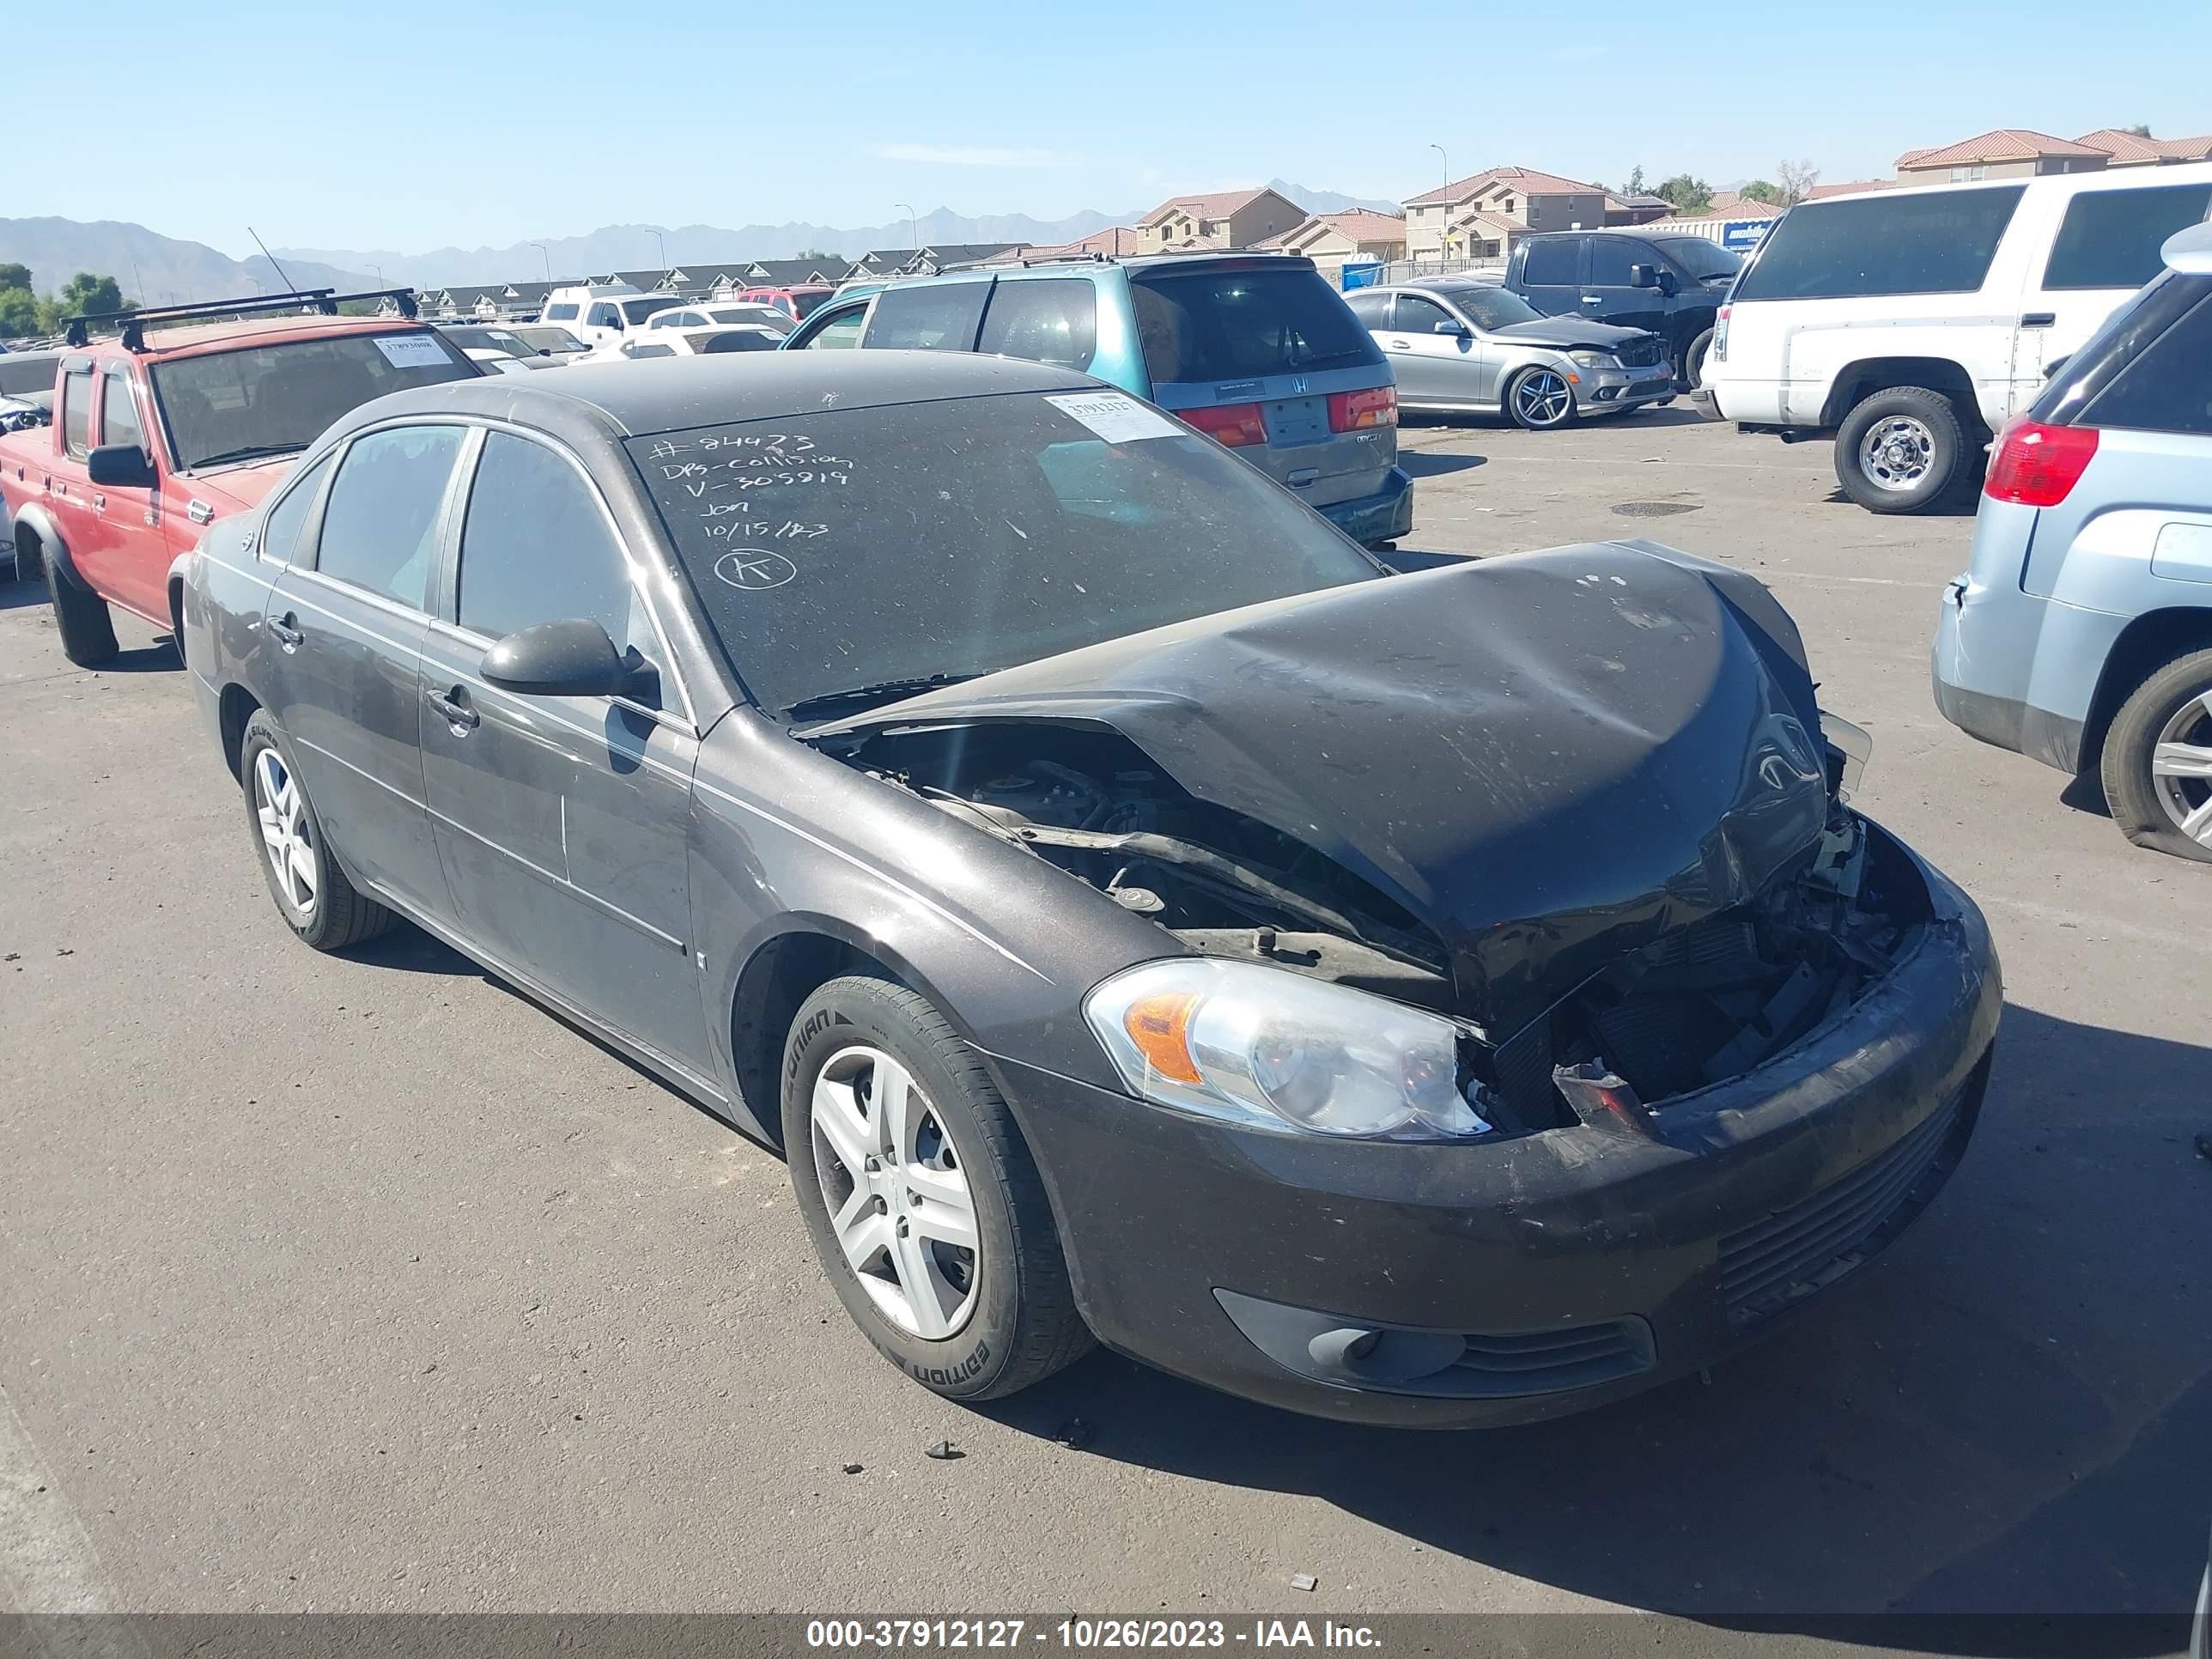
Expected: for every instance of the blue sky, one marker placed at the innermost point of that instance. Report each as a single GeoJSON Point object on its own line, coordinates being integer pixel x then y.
{"type": "Point", "coordinates": [388, 124]}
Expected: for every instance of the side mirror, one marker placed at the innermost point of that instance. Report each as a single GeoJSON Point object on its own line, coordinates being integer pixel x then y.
{"type": "Point", "coordinates": [1643, 275]}
{"type": "Point", "coordinates": [568, 659]}
{"type": "Point", "coordinates": [1453, 327]}
{"type": "Point", "coordinates": [120, 467]}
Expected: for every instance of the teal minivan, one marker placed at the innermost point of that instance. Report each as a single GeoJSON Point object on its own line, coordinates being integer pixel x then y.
{"type": "Point", "coordinates": [1255, 350]}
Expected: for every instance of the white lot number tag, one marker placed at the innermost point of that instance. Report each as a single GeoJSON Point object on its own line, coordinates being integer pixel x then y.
{"type": "Point", "coordinates": [1114, 417]}
{"type": "Point", "coordinates": [412, 350]}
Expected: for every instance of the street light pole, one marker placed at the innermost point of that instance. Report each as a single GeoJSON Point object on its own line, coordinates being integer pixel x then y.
{"type": "Point", "coordinates": [913, 226]}
{"type": "Point", "coordinates": [1445, 158]}
{"type": "Point", "coordinates": [548, 258]}
{"type": "Point", "coordinates": [1442, 230]}
{"type": "Point", "coordinates": [661, 247]}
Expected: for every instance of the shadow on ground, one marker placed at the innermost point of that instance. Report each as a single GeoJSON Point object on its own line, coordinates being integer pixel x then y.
{"type": "Point", "coordinates": [1434, 464]}
{"type": "Point", "coordinates": [2010, 1415]}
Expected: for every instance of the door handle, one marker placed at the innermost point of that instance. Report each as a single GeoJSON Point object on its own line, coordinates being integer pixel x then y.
{"type": "Point", "coordinates": [455, 708]}
{"type": "Point", "coordinates": [285, 633]}
{"type": "Point", "coordinates": [1593, 299]}
{"type": "Point", "coordinates": [1401, 346]}
{"type": "Point", "coordinates": [99, 501]}
{"type": "Point", "coordinates": [2040, 319]}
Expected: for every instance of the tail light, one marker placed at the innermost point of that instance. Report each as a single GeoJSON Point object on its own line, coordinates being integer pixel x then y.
{"type": "Point", "coordinates": [1231, 424]}
{"type": "Point", "coordinates": [2037, 466]}
{"type": "Point", "coordinates": [1352, 411]}
{"type": "Point", "coordinates": [1718, 350]}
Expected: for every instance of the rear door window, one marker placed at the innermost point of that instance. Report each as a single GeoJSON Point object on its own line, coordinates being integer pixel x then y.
{"type": "Point", "coordinates": [2167, 386]}
{"type": "Point", "coordinates": [1239, 325]}
{"type": "Point", "coordinates": [2111, 238]}
{"type": "Point", "coordinates": [1051, 320]}
{"type": "Point", "coordinates": [76, 410]}
{"type": "Point", "coordinates": [1373, 310]}
{"type": "Point", "coordinates": [1860, 246]}
{"type": "Point", "coordinates": [380, 526]}
{"type": "Point", "coordinates": [1551, 262]}
{"type": "Point", "coordinates": [932, 317]}
{"type": "Point", "coordinates": [1612, 260]}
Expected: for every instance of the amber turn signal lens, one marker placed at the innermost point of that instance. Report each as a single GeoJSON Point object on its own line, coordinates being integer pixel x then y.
{"type": "Point", "coordinates": [1160, 1027]}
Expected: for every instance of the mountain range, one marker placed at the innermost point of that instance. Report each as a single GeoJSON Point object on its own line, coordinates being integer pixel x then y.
{"type": "Point", "coordinates": [157, 269]}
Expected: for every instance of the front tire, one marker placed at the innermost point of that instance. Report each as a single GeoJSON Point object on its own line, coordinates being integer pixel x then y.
{"type": "Point", "coordinates": [1539, 399]}
{"type": "Point", "coordinates": [2157, 766]}
{"type": "Point", "coordinates": [920, 1196]}
{"type": "Point", "coordinates": [1693, 360]}
{"type": "Point", "coordinates": [311, 892]}
{"type": "Point", "coordinates": [1898, 450]}
{"type": "Point", "coordinates": [87, 631]}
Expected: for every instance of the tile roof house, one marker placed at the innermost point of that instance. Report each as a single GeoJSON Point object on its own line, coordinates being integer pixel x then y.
{"type": "Point", "coordinates": [2132, 149]}
{"type": "Point", "coordinates": [950, 256]}
{"type": "Point", "coordinates": [1848, 187]}
{"type": "Point", "coordinates": [1520, 198]}
{"type": "Point", "coordinates": [1727, 205]}
{"type": "Point", "coordinates": [1223, 219]}
{"type": "Point", "coordinates": [1113, 240]}
{"type": "Point", "coordinates": [1331, 239]}
{"type": "Point", "coordinates": [2006, 153]}
{"type": "Point", "coordinates": [1637, 209]}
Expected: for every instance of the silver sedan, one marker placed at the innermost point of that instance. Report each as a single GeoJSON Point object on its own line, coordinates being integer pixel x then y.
{"type": "Point", "coordinates": [1459, 346]}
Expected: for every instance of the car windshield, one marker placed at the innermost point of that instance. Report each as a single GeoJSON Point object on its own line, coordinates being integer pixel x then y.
{"type": "Point", "coordinates": [550, 339]}
{"type": "Point", "coordinates": [766, 316]}
{"type": "Point", "coordinates": [858, 548]}
{"type": "Point", "coordinates": [1492, 307]}
{"type": "Point", "coordinates": [270, 399]}
{"type": "Point", "coordinates": [1704, 260]}
{"type": "Point", "coordinates": [489, 339]}
{"type": "Point", "coordinates": [22, 376]}
{"type": "Point", "coordinates": [636, 311]}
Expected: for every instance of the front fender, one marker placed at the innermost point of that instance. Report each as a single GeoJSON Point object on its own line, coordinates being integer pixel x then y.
{"type": "Point", "coordinates": [35, 518]}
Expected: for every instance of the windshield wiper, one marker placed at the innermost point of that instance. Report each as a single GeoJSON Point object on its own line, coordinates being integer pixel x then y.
{"type": "Point", "coordinates": [865, 697]}
{"type": "Point", "coordinates": [247, 452]}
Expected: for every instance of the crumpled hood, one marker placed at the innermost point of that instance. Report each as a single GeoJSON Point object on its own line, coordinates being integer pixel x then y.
{"type": "Point", "coordinates": [1569, 332]}
{"type": "Point", "coordinates": [1548, 758]}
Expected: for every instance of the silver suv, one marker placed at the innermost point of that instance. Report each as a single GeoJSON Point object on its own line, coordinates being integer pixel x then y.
{"type": "Point", "coordinates": [2082, 633]}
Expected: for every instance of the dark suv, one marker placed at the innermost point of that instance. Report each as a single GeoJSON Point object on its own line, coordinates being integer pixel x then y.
{"type": "Point", "coordinates": [1651, 278]}
{"type": "Point", "coordinates": [1256, 351]}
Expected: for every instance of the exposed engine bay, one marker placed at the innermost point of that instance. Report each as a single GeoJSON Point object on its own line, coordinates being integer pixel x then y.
{"type": "Point", "coordinates": [1705, 999]}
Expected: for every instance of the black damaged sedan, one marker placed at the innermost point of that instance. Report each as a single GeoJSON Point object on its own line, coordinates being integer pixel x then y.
{"type": "Point", "coordinates": [1137, 915]}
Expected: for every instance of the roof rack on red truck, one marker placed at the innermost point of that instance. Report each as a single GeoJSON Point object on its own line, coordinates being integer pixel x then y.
{"type": "Point", "coordinates": [165, 418]}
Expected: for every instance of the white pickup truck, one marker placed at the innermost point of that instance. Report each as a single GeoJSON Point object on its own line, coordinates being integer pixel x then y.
{"type": "Point", "coordinates": [596, 313]}
{"type": "Point", "coordinates": [1913, 324]}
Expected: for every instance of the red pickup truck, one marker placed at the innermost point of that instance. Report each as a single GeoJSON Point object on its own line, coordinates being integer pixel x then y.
{"type": "Point", "coordinates": [157, 429]}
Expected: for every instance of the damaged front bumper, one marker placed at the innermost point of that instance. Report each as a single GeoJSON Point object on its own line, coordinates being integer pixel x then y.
{"type": "Point", "coordinates": [1496, 1281]}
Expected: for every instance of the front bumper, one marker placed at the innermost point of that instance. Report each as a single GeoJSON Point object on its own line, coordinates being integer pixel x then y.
{"type": "Point", "coordinates": [1382, 517]}
{"type": "Point", "coordinates": [1606, 392]}
{"type": "Point", "coordinates": [1576, 1266]}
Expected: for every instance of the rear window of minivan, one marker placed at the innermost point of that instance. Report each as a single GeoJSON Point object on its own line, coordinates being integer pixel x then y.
{"type": "Point", "coordinates": [1862, 246]}
{"type": "Point", "coordinates": [1238, 325]}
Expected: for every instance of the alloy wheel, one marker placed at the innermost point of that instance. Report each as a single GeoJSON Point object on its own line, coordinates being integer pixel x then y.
{"type": "Point", "coordinates": [1540, 398]}
{"type": "Point", "coordinates": [1897, 452]}
{"type": "Point", "coordinates": [896, 1194]}
{"type": "Point", "coordinates": [2181, 769]}
{"type": "Point", "coordinates": [288, 834]}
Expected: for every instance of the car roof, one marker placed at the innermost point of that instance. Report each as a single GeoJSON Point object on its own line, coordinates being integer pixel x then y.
{"type": "Point", "coordinates": [629, 399]}
{"type": "Point", "coordinates": [196, 339]}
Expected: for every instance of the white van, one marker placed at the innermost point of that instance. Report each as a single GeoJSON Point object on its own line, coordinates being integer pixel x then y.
{"type": "Point", "coordinates": [596, 313]}
{"type": "Point", "coordinates": [1913, 324]}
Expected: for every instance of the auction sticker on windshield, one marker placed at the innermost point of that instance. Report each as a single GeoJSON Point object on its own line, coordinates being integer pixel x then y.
{"type": "Point", "coordinates": [1114, 417]}
{"type": "Point", "coordinates": [412, 350]}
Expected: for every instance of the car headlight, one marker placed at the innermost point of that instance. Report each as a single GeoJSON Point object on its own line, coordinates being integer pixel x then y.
{"type": "Point", "coordinates": [1590, 359]}
{"type": "Point", "coordinates": [1265, 1046]}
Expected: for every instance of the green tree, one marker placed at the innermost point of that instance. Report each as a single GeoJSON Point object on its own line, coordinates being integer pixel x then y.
{"type": "Point", "coordinates": [19, 312]}
{"type": "Point", "coordinates": [2141, 130]}
{"type": "Point", "coordinates": [14, 276]}
{"type": "Point", "coordinates": [1759, 191]}
{"type": "Point", "coordinates": [1688, 195]}
{"type": "Point", "coordinates": [1797, 179]}
{"type": "Point", "coordinates": [85, 294]}
{"type": "Point", "coordinates": [1635, 184]}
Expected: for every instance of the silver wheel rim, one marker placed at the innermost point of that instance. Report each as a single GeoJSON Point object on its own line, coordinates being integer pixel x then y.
{"type": "Point", "coordinates": [2181, 769]}
{"type": "Point", "coordinates": [896, 1192]}
{"type": "Point", "coordinates": [1540, 398]}
{"type": "Point", "coordinates": [287, 838]}
{"type": "Point", "coordinates": [1897, 453]}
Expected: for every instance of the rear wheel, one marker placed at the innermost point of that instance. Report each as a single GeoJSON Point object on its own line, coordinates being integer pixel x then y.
{"type": "Point", "coordinates": [1693, 360]}
{"type": "Point", "coordinates": [1539, 400]}
{"type": "Point", "coordinates": [1898, 450]}
{"type": "Point", "coordinates": [87, 632]}
{"type": "Point", "coordinates": [311, 892]}
{"type": "Point", "coordinates": [2157, 769]}
{"type": "Point", "coordinates": [920, 1196]}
